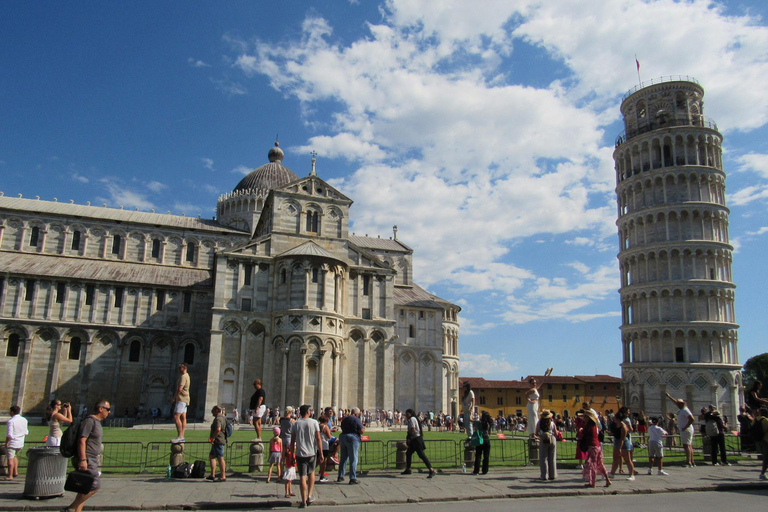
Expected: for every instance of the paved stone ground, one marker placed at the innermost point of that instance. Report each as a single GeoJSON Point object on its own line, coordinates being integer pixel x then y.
{"type": "Point", "coordinates": [248, 492]}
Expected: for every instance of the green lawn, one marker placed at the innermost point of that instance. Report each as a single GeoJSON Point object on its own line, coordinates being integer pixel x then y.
{"type": "Point", "coordinates": [130, 451]}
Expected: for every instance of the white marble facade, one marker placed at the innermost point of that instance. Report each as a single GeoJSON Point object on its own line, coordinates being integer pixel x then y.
{"type": "Point", "coordinates": [101, 302]}
{"type": "Point", "coordinates": [679, 333]}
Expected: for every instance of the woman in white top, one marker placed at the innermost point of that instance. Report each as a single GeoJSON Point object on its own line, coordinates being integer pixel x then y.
{"type": "Point", "coordinates": [533, 406]}
{"type": "Point", "coordinates": [57, 415]}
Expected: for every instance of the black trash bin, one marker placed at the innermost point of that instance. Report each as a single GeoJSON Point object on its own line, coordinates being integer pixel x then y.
{"type": "Point", "coordinates": [46, 472]}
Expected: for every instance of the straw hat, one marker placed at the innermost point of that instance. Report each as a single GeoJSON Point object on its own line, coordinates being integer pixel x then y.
{"type": "Point", "coordinates": [591, 415]}
{"type": "Point", "coordinates": [545, 413]}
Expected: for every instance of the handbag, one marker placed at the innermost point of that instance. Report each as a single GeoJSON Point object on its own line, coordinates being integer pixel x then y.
{"type": "Point", "coordinates": [80, 482]}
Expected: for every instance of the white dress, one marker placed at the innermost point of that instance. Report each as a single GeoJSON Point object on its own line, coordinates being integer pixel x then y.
{"type": "Point", "coordinates": [533, 412]}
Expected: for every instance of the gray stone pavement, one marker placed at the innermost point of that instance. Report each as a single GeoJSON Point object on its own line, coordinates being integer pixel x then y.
{"type": "Point", "coordinates": [241, 492]}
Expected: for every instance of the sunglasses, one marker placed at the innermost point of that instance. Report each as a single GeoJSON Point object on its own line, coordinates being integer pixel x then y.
{"type": "Point", "coordinates": [107, 408]}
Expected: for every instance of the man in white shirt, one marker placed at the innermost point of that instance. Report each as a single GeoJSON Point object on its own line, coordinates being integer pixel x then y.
{"type": "Point", "coordinates": [14, 439]}
{"type": "Point", "coordinates": [685, 420]}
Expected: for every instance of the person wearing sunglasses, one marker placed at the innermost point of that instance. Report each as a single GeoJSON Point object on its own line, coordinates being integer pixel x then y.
{"type": "Point", "coordinates": [88, 450]}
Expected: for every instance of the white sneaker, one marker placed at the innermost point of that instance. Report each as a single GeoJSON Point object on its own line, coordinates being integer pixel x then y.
{"type": "Point", "coordinates": [632, 478]}
{"type": "Point", "coordinates": [650, 471]}
{"type": "Point", "coordinates": [662, 472]}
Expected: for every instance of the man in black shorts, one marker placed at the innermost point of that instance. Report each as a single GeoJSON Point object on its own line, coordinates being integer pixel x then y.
{"type": "Point", "coordinates": [306, 444]}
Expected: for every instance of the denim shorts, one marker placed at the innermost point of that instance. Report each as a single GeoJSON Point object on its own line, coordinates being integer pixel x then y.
{"type": "Point", "coordinates": [217, 451]}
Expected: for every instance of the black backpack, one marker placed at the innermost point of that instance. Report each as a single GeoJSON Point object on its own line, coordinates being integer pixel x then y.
{"type": "Point", "coordinates": [70, 439]}
{"type": "Point", "coordinates": [198, 469]}
{"type": "Point", "coordinates": [183, 470]}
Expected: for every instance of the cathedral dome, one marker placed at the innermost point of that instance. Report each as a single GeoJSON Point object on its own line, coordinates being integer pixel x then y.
{"type": "Point", "coordinates": [268, 176]}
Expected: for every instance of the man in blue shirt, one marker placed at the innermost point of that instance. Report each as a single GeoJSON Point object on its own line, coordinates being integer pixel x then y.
{"type": "Point", "coordinates": [351, 430]}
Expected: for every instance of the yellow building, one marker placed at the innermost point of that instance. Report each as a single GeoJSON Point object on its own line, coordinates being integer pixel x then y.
{"type": "Point", "coordinates": [561, 394]}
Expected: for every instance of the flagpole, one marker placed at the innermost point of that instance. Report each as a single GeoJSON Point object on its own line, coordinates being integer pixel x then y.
{"type": "Point", "coordinates": [637, 62]}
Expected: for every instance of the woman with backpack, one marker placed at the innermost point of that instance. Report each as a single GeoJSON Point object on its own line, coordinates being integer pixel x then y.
{"type": "Point", "coordinates": [482, 442]}
{"type": "Point", "coordinates": [546, 432]}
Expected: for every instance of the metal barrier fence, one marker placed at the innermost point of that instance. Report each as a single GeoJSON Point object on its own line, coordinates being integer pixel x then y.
{"type": "Point", "coordinates": [136, 457]}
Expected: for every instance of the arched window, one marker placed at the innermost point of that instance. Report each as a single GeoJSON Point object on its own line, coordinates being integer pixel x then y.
{"type": "Point", "coordinates": [116, 240]}
{"type": "Point", "coordinates": [411, 331]}
{"type": "Point", "coordinates": [12, 350]}
{"type": "Point", "coordinates": [34, 237]}
{"type": "Point", "coordinates": [134, 353]}
{"type": "Point", "coordinates": [76, 241]}
{"type": "Point", "coordinates": [156, 248]}
{"type": "Point", "coordinates": [313, 222]}
{"type": "Point", "coordinates": [191, 248]}
{"type": "Point", "coordinates": [283, 276]}
{"type": "Point", "coordinates": [74, 348]}
{"type": "Point", "coordinates": [189, 353]}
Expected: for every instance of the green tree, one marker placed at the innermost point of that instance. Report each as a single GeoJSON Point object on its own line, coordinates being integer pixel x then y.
{"type": "Point", "coordinates": [756, 368]}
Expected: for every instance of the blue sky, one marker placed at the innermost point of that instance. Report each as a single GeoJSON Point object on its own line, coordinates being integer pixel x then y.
{"type": "Point", "coordinates": [483, 130]}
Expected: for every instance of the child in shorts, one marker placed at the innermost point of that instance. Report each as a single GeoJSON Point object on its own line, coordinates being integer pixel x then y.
{"type": "Point", "coordinates": [275, 452]}
{"type": "Point", "coordinates": [655, 446]}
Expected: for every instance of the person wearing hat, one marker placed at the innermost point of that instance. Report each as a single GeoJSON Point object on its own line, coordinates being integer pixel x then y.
{"type": "Point", "coordinates": [715, 430]}
{"type": "Point", "coordinates": [546, 432]}
{"type": "Point", "coordinates": [685, 420]}
{"type": "Point", "coordinates": [590, 443]}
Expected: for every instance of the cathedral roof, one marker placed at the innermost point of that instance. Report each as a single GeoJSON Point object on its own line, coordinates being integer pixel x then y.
{"type": "Point", "coordinates": [308, 249]}
{"type": "Point", "coordinates": [92, 213]}
{"type": "Point", "coordinates": [417, 297]}
{"type": "Point", "coordinates": [379, 244]}
{"type": "Point", "coordinates": [44, 265]}
{"type": "Point", "coordinates": [268, 176]}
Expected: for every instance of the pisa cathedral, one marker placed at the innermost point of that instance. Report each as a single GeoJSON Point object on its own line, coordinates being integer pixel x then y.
{"type": "Point", "coordinates": [679, 331]}
{"type": "Point", "coordinates": [102, 302]}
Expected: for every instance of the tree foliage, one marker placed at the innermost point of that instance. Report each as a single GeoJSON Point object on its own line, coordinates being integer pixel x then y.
{"type": "Point", "coordinates": [756, 368]}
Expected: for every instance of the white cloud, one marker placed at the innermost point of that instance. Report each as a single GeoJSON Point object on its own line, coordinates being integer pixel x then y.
{"type": "Point", "coordinates": [79, 177]}
{"type": "Point", "coordinates": [486, 365]}
{"type": "Point", "coordinates": [121, 195]}
{"type": "Point", "coordinates": [188, 209]}
{"type": "Point", "coordinates": [242, 169]}
{"type": "Point", "coordinates": [196, 63]}
{"type": "Point", "coordinates": [748, 194]}
{"type": "Point", "coordinates": [753, 162]}
{"type": "Point", "coordinates": [229, 87]}
{"type": "Point", "coordinates": [470, 164]}
{"type": "Point", "coordinates": [156, 186]}
{"type": "Point", "coordinates": [208, 163]}
{"type": "Point", "coordinates": [211, 189]}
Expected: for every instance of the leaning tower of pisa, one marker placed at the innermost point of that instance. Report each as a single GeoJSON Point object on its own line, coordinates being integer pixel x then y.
{"type": "Point", "coordinates": [678, 329]}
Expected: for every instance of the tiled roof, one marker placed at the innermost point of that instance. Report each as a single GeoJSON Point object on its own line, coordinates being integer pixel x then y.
{"type": "Point", "coordinates": [599, 378]}
{"type": "Point", "coordinates": [45, 265]}
{"type": "Point", "coordinates": [309, 248]}
{"type": "Point", "coordinates": [113, 214]}
{"type": "Point", "coordinates": [379, 244]}
{"type": "Point", "coordinates": [417, 297]}
{"type": "Point", "coordinates": [481, 383]}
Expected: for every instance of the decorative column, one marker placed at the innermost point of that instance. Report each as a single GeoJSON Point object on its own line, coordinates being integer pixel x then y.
{"type": "Point", "coordinates": [284, 390]}
{"type": "Point", "coordinates": [335, 383]}
{"type": "Point", "coordinates": [26, 357]}
{"type": "Point", "coordinates": [54, 385]}
{"type": "Point", "coordinates": [241, 369]}
{"type": "Point", "coordinates": [303, 378]}
{"type": "Point", "coordinates": [214, 371]}
{"type": "Point", "coordinates": [320, 387]}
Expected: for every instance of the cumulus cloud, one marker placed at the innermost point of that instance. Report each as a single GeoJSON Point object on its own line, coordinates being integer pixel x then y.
{"type": "Point", "coordinates": [156, 186]}
{"type": "Point", "coordinates": [208, 163]}
{"type": "Point", "coordinates": [469, 163]}
{"type": "Point", "coordinates": [753, 162]}
{"type": "Point", "coordinates": [486, 365]}
{"type": "Point", "coordinates": [80, 178]}
{"type": "Point", "coordinates": [119, 194]}
{"type": "Point", "coordinates": [242, 169]}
